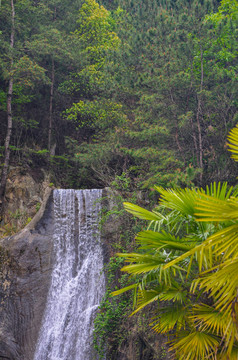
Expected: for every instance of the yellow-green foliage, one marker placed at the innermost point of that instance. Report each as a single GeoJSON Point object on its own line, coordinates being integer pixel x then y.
{"type": "Point", "coordinates": [192, 273]}
{"type": "Point", "coordinates": [95, 114]}
{"type": "Point", "coordinates": [95, 30]}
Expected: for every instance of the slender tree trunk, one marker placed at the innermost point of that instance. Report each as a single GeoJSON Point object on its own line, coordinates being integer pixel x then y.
{"type": "Point", "coordinates": [199, 114]}
{"type": "Point", "coordinates": [51, 105]}
{"type": "Point", "coordinates": [51, 96]}
{"type": "Point", "coordinates": [194, 140]}
{"type": "Point", "coordinates": [9, 116]}
{"type": "Point", "coordinates": [194, 135]}
{"type": "Point", "coordinates": [199, 133]}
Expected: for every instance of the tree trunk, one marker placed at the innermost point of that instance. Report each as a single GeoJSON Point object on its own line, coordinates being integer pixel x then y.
{"type": "Point", "coordinates": [51, 97]}
{"type": "Point", "coordinates": [199, 113]}
{"type": "Point", "coordinates": [199, 133]}
{"type": "Point", "coordinates": [194, 140]}
{"type": "Point", "coordinates": [51, 105]}
{"type": "Point", "coordinates": [9, 117]}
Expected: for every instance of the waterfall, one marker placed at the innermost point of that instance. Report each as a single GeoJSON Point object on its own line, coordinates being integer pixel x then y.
{"type": "Point", "coordinates": [77, 284]}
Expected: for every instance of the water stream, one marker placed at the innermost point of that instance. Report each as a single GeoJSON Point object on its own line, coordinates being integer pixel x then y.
{"type": "Point", "coordinates": [77, 284]}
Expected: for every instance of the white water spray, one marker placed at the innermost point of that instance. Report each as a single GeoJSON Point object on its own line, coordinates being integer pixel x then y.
{"type": "Point", "coordinates": [77, 284]}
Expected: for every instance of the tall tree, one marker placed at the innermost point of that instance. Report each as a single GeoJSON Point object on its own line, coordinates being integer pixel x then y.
{"type": "Point", "coordinates": [174, 74]}
{"type": "Point", "coordinates": [9, 111]}
{"type": "Point", "coordinates": [21, 72]}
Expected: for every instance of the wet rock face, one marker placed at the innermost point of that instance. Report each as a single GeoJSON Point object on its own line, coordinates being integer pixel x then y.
{"type": "Point", "coordinates": [25, 270]}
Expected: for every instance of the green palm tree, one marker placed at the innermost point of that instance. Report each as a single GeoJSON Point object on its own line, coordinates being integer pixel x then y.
{"type": "Point", "coordinates": [187, 263]}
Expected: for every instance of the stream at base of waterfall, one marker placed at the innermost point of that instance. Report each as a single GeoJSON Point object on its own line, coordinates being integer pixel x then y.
{"type": "Point", "coordinates": [78, 282]}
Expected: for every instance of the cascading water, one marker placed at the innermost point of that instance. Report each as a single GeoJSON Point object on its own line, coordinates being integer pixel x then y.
{"type": "Point", "coordinates": [77, 284]}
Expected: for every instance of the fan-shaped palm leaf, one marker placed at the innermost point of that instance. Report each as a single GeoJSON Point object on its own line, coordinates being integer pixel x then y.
{"type": "Point", "coordinates": [182, 200]}
{"type": "Point", "coordinates": [222, 243]}
{"type": "Point", "coordinates": [219, 191]}
{"type": "Point", "coordinates": [217, 322]}
{"type": "Point", "coordinates": [222, 285]}
{"type": "Point", "coordinates": [150, 239]}
{"type": "Point", "coordinates": [209, 208]}
{"type": "Point", "coordinates": [174, 294]}
{"type": "Point", "coordinates": [233, 145]}
{"type": "Point", "coordinates": [207, 318]}
{"type": "Point", "coordinates": [195, 345]}
{"type": "Point", "coordinates": [206, 329]}
{"type": "Point", "coordinates": [203, 256]}
{"type": "Point", "coordinates": [161, 292]}
{"type": "Point", "coordinates": [142, 213]}
{"type": "Point", "coordinates": [146, 297]}
{"type": "Point", "coordinates": [127, 288]}
{"type": "Point", "coordinates": [170, 318]}
{"type": "Point", "coordinates": [143, 263]}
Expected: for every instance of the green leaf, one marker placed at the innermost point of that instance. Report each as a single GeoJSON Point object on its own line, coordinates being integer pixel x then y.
{"type": "Point", "coordinates": [233, 145]}
{"type": "Point", "coordinates": [195, 345]}
{"type": "Point", "coordinates": [170, 318]}
{"type": "Point", "coordinates": [142, 213]}
{"type": "Point", "coordinates": [151, 239]}
{"type": "Point", "coordinates": [127, 288]}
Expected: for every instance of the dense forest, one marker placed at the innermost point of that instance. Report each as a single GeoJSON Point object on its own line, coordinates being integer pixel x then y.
{"type": "Point", "coordinates": [140, 88]}
{"type": "Point", "coordinates": [135, 95]}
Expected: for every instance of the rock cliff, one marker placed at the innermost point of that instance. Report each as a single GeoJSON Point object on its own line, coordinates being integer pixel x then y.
{"type": "Point", "coordinates": [25, 190]}
{"type": "Point", "coordinates": [26, 260]}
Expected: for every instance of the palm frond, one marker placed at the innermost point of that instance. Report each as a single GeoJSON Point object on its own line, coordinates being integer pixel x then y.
{"type": "Point", "coordinates": [174, 294]}
{"type": "Point", "coordinates": [217, 322]}
{"type": "Point", "coordinates": [146, 297]}
{"type": "Point", "coordinates": [233, 145]}
{"type": "Point", "coordinates": [144, 263]}
{"type": "Point", "coordinates": [170, 318]}
{"type": "Point", "coordinates": [219, 191]}
{"type": "Point", "coordinates": [222, 285]}
{"type": "Point", "coordinates": [182, 200]}
{"type": "Point", "coordinates": [142, 213]}
{"type": "Point", "coordinates": [202, 255]}
{"type": "Point", "coordinates": [173, 221]}
{"type": "Point", "coordinates": [210, 247]}
{"type": "Point", "coordinates": [127, 288]}
{"type": "Point", "coordinates": [209, 208]}
{"type": "Point", "coordinates": [195, 345]}
{"type": "Point", "coordinates": [150, 239]}
{"type": "Point", "coordinates": [223, 243]}
{"type": "Point", "coordinates": [207, 318]}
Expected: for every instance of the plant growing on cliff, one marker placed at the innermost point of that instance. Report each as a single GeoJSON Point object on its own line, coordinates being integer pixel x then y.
{"type": "Point", "coordinates": [111, 313]}
{"type": "Point", "coordinates": [111, 324]}
{"type": "Point", "coordinates": [188, 265]}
